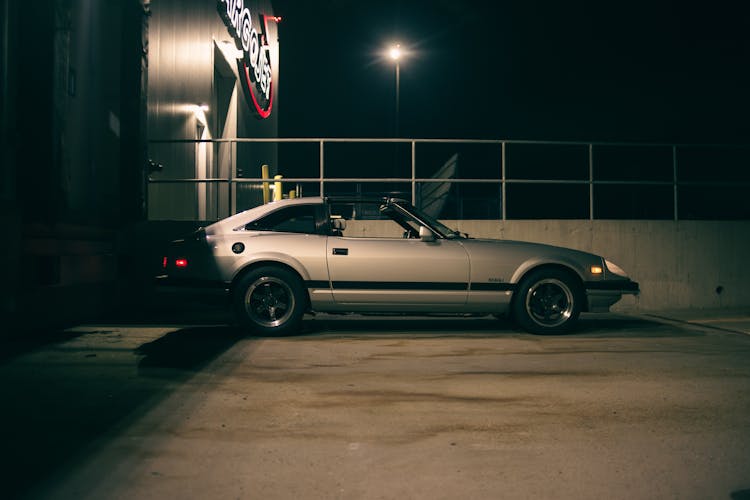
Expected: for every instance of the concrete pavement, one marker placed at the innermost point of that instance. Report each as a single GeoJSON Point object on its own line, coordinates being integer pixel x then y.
{"type": "Point", "coordinates": [629, 407]}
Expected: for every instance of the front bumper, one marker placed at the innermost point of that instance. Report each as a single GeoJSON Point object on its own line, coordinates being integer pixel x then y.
{"type": "Point", "coordinates": [603, 294]}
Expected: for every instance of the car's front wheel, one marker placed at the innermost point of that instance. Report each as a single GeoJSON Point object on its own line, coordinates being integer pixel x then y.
{"type": "Point", "coordinates": [270, 301]}
{"type": "Point", "coordinates": [548, 301]}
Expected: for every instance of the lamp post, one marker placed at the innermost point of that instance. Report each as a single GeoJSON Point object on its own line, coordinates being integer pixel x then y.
{"type": "Point", "coordinates": [395, 54]}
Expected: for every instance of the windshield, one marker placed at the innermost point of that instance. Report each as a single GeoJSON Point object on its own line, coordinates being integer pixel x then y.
{"type": "Point", "coordinates": [435, 224]}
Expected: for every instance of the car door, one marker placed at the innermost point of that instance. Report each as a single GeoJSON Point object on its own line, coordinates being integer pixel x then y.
{"type": "Point", "coordinates": [397, 274]}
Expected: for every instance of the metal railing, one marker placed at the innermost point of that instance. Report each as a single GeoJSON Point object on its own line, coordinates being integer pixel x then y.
{"type": "Point", "coordinates": [507, 177]}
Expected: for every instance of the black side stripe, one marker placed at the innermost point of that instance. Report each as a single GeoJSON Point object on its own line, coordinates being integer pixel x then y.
{"type": "Point", "coordinates": [317, 284]}
{"type": "Point", "coordinates": [397, 285]}
{"type": "Point", "coordinates": [405, 285]}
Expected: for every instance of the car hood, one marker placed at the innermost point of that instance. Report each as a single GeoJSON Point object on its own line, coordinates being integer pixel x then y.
{"type": "Point", "coordinates": [523, 245]}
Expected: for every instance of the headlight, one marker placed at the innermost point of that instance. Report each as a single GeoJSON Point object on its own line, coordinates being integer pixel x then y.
{"type": "Point", "coordinates": [615, 269]}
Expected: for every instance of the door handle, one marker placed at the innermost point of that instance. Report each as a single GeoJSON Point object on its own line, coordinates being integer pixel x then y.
{"type": "Point", "coordinates": [340, 251]}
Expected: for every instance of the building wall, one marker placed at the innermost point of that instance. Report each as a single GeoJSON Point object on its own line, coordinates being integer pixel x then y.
{"type": "Point", "coordinates": [191, 63]}
{"type": "Point", "coordinates": [65, 153]}
{"type": "Point", "coordinates": [88, 99]}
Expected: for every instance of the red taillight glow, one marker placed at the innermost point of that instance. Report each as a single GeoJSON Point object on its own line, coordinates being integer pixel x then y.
{"type": "Point", "coordinates": [164, 262]}
{"type": "Point", "coordinates": [181, 263]}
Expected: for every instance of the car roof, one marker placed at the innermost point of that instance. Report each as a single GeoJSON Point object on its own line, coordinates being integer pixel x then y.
{"type": "Point", "coordinates": [254, 213]}
{"type": "Point", "coordinates": [363, 199]}
{"type": "Point", "coordinates": [245, 216]}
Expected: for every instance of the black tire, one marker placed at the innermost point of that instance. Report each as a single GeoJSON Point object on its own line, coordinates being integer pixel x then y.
{"type": "Point", "coordinates": [270, 301]}
{"type": "Point", "coordinates": [548, 302]}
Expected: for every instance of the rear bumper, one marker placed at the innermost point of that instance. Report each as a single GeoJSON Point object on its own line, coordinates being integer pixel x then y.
{"type": "Point", "coordinates": [209, 291]}
{"type": "Point", "coordinates": [165, 280]}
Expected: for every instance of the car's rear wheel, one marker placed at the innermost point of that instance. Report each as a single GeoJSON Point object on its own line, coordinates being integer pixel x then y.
{"type": "Point", "coordinates": [548, 301]}
{"type": "Point", "coordinates": [270, 301]}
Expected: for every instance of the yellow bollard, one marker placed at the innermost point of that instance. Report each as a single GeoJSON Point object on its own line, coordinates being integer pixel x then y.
{"type": "Point", "coordinates": [278, 194]}
{"type": "Point", "coordinates": [292, 194]}
{"type": "Point", "coordinates": [266, 186]}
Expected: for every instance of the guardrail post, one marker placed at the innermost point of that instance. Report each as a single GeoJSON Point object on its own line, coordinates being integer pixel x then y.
{"type": "Point", "coordinates": [502, 179]}
{"type": "Point", "coordinates": [231, 198]}
{"type": "Point", "coordinates": [413, 172]}
{"type": "Point", "coordinates": [674, 183]}
{"type": "Point", "coordinates": [321, 161]}
{"type": "Point", "coordinates": [591, 182]}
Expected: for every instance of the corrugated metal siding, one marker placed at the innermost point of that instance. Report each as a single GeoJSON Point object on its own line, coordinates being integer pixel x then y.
{"type": "Point", "coordinates": [182, 74]}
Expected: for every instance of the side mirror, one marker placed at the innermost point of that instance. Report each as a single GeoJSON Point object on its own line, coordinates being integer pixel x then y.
{"type": "Point", "coordinates": [426, 235]}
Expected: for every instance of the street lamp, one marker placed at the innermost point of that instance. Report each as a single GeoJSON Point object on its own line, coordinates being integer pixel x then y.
{"type": "Point", "coordinates": [395, 53]}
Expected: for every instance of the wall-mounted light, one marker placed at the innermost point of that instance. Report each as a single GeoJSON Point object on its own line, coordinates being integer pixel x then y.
{"type": "Point", "coordinates": [199, 111]}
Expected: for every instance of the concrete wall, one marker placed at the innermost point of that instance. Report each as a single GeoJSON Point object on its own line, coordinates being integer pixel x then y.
{"type": "Point", "coordinates": [679, 265]}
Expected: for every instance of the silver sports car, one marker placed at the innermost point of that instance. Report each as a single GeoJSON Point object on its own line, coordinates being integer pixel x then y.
{"type": "Point", "coordinates": [335, 255]}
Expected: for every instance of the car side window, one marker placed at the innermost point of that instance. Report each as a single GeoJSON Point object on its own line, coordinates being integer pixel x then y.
{"type": "Point", "coordinates": [371, 220]}
{"type": "Point", "coordinates": [297, 219]}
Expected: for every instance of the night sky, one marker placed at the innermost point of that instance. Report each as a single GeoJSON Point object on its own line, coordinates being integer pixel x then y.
{"type": "Point", "coordinates": [532, 69]}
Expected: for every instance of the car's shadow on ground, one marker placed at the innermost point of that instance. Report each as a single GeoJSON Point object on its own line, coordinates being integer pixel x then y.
{"type": "Point", "coordinates": [589, 325]}
{"type": "Point", "coordinates": [187, 349]}
{"type": "Point", "coordinates": [404, 325]}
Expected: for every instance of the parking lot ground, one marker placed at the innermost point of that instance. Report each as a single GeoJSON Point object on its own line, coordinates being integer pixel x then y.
{"type": "Point", "coordinates": [387, 407]}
